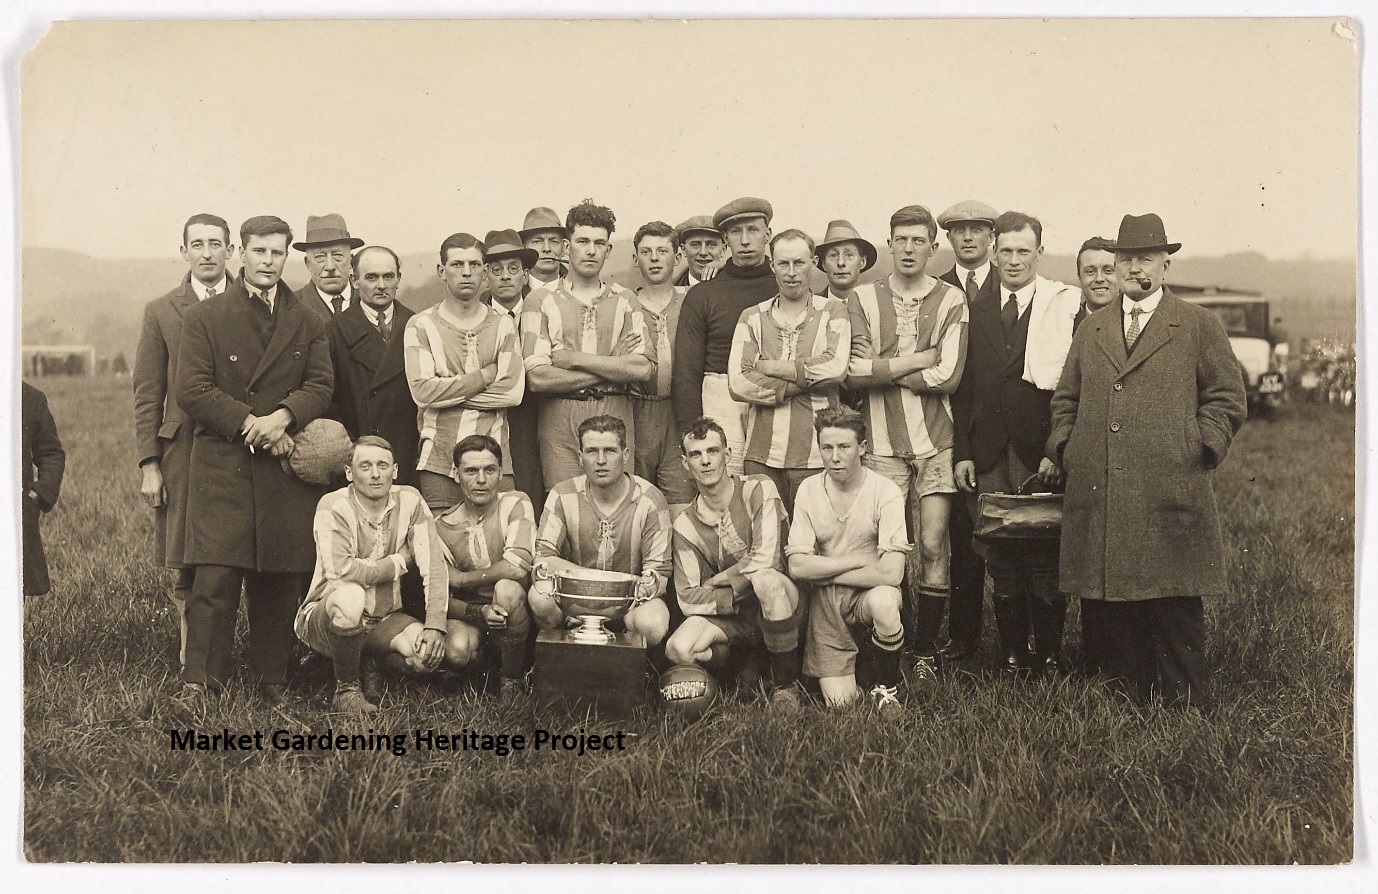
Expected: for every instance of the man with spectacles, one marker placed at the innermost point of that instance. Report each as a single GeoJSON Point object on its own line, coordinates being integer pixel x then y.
{"type": "Point", "coordinates": [464, 366]}
{"type": "Point", "coordinates": [327, 246]}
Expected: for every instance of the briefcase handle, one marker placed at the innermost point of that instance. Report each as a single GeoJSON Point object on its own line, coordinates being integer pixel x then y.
{"type": "Point", "coordinates": [1025, 488]}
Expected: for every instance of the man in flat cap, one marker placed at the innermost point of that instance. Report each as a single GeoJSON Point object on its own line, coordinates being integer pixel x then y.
{"type": "Point", "coordinates": [464, 366]}
{"type": "Point", "coordinates": [372, 396]}
{"type": "Point", "coordinates": [702, 247]}
{"type": "Point", "coordinates": [327, 246]}
{"type": "Point", "coordinates": [843, 256]}
{"type": "Point", "coordinates": [1015, 352]}
{"type": "Point", "coordinates": [543, 233]}
{"type": "Point", "coordinates": [1100, 286]}
{"type": "Point", "coordinates": [1146, 406]}
{"type": "Point", "coordinates": [970, 227]}
{"type": "Point", "coordinates": [509, 264]}
{"type": "Point", "coordinates": [909, 340]}
{"type": "Point", "coordinates": [585, 345]}
{"type": "Point", "coordinates": [708, 321]}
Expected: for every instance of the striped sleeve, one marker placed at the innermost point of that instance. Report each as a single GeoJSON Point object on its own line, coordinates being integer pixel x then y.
{"type": "Point", "coordinates": [655, 539]}
{"type": "Point", "coordinates": [519, 531]}
{"type": "Point", "coordinates": [507, 389]}
{"type": "Point", "coordinates": [861, 363]}
{"type": "Point", "coordinates": [428, 375]}
{"type": "Point", "coordinates": [692, 567]}
{"type": "Point", "coordinates": [767, 518]}
{"type": "Point", "coordinates": [743, 382]}
{"type": "Point", "coordinates": [552, 539]}
{"type": "Point", "coordinates": [950, 338]}
{"type": "Point", "coordinates": [829, 365]}
{"type": "Point", "coordinates": [537, 328]}
{"type": "Point", "coordinates": [429, 553]}
{"type": "Point", "coordinates": [335, 546]}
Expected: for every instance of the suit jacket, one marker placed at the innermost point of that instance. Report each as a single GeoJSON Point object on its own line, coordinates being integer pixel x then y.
{"type": "Point", "coordinates": [41, 463]}
{"type": "Point", "coordinates": [1137, 433]}
{"type": "Point", "coordinates": [993, 406]}
{"type": "Point", "coordinates": [371, 393]}
{"type": "Point", "coordinates": [990, 290]}
{"type": "Point", "coordinates": [243, 509]}
{"type": "Point", "coordinates": [310, 296]}
{"type": "Point", "coordinates": [160, 426]}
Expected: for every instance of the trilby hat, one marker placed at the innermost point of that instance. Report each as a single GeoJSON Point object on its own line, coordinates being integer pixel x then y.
{"type": "Point", "coordinates": [500, 245]}
{"type": "Point", "coordinates": [840, 231]}
{"type": "Point", "coordinates": [1143, 233]}
{"type": "Point", "coordinates": [327, 229]}
{"type": "Point", "coordinates": [541, 219]}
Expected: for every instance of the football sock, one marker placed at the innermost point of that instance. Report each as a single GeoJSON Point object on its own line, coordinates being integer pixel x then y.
{"type": "Point", "coordinates": [930, 603]}
{"type": "Point", "coordinates": [782, 642]}
{"type": "Point", "coordinates": [346, 654]}
{"type": "Point", "coordinates": [512, 643]}
{"type": "Point", "coordinates": [886, 656]}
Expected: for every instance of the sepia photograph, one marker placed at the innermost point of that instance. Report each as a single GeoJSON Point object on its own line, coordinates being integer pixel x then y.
{"type": "Point", "coordinates": [899, 442]}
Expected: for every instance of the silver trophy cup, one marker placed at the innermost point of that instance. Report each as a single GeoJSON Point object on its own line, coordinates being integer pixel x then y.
{"type": "Point", "coordinates": [592, 598]}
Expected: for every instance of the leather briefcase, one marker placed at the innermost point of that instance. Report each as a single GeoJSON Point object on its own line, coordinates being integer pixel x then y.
{"type": "Point", "coordinates": [1020, 515]}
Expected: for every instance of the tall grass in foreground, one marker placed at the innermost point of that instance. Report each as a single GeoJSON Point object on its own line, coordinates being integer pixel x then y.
{"type": "Point", "coordinates": [984, 770]}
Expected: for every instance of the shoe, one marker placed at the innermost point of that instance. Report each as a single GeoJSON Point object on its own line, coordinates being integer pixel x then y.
{"type": "Point", "coordinates": [785, 700]}
{"type": "Point", "coordinates": [274, 695]}
{"type": "Point", "coordinates": [748, 684]}
{"type": "Point", "coordinates": [349, 699]}
{"type": "Point", "coordinates": [956, 651]}
{"type": "Point", "coordinates": [1017, 665]}
{"type": "Point", "coordinates": [510, 691]}
{"type": "Point", "coordinates": [371, 679]}
{"type": "Point", "coordinates": [887, 700]}
{"type": "Point", "coordinates": [925, 673]}
{"type": "Point", "coordinates": [1046, 665]}
{"type": "Point", "coordinates": [190, 699]}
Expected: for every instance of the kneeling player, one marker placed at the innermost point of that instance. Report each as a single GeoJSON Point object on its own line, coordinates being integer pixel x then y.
{"type": "Point", "coordinates": [605, 519]}
{"type": "Point", "coordinates": [490, 537]}
{"type": "Point", "coordinates": [728, 577]}
{"type": "Point", "coordinates": [367, 534]}
{"type": "Point", "coordinates": [847, 538]}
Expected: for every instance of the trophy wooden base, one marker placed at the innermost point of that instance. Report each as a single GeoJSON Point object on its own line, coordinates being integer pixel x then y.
{"type": "Point", "coordinates": [609, 678]}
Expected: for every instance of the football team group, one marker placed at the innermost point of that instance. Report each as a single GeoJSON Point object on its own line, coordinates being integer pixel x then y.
{"type": "Point", "coordinates": [788, 467]}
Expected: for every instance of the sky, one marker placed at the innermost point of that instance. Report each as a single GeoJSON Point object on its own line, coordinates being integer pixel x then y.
{"type": "Point", "coordinates": [1242, 135]}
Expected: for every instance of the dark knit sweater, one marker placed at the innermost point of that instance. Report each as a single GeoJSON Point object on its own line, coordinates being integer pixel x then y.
{"type": "Point", "coordinates": [703, 340]}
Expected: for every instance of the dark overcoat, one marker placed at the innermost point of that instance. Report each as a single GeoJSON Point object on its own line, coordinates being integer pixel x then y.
{"type": "Point", "coordinates": [41, 463]}
{"type": "Point", "coordinates": [311, 299]}
{"type": "Point", "coordinates": [1137, 434]}
{"type": "Point", "coordinates": [371, 392]}
{"type": "Point", "coordinates": [160, 426]}
{"type": "Point", "coordinates": [243, 510]}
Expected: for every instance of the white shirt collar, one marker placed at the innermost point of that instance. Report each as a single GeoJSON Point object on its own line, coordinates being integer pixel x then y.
{"type": "Point", "coordinates": [372, 313]}
{"type": "Point", "coordinates": [200, 288]}
{"type": "Point", "coordinates": [330, 299]}
{"type": "Point", "coordinates": [1021, 297]}
{"type": "Point", "coordinates": [1147, 305]}
{"type": "Point", "coordinates": [981, 273]}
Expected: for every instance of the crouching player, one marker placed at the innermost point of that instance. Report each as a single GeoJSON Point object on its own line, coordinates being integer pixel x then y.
{"type": "Point", "coordinates": [367, 535]}
{"type": "Point", "coordinates": [728, 577]}
{"type": "Point", "coordinates": [847, 539]}
{"type": "Point", "coordinates": [605, 519]}
{"type": "Point", "coordinates": [490, 537]}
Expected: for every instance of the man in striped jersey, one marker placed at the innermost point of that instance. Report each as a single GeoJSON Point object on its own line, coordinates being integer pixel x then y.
{"type": "Point", "coordinates": [657, 444]}
{"type": "Point", "coordinates": [608, 520]}
{"type": "Point", "coordinates": [728, 566]}
{"type": "Point", "coordinates": [367, 535]}
{"type": "Point", "coordinates": [788, 355]}
{"type": "Point", "coordinates": [464, 368]}
{"type": "Point", "coordinates": [907, 352]}
{"type": "Point", "coordinates": [491, 538]}
{"type": "Point", "coordinates": [847, 540]}
{"type": "Point", "coordinates": [585, 345]}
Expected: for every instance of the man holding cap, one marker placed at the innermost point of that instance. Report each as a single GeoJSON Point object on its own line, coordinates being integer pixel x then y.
{"type": "Point", "coordinates": [1147, 405]}
{"type": "Point", "coordinates": [509, 265]}
{"type": "Point", "coordinates": [543, 233]}
{"type": "Point", "coordinates": [327, 246]}
{"type": "Point", "coordinates": [843, 255]}
{"type": "Point", "coordinates": [708, 320]}
{"type": "Point", "coordinates": [702, 247]}
{"type": "Point", "coordinates": [970, 227]}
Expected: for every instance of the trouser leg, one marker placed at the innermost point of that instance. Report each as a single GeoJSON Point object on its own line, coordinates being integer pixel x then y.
{"type": "Point", "coordinates": [273, 601]}
{"type": "Point", "coordinates": [181, 592]}
{"type": "Point", "coordinates": [211, 611]}
{"type": "Point", "coordinates": [1047, 604]}
{"type": "Point", "coordinates": [968, 576]}
{"type": "Point", "coordinates": [1179, 651]}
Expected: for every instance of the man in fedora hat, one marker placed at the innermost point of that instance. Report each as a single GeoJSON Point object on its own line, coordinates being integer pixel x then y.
{"type": "Point", "coordinates": [162, 430]}
{"type": "Point", "coordinates": [843, 255]}
{"type": "Point", "coordinates": [254, 366]}
{"type": "Point", "coordinates": [372, 396]}
{"type": "Point", "coordinates": [970, 228]}
{"type": "Point", "coordinates": [543, 233]}
{"type": "Point", "coordinates": [327, 246]}
{"type": "Point", "coordinates": [909, 340]}
{"type": "Point", "coordinates": [585, 345]}
{"type": "Point", "coordinates": [708, 321]}
{"type": "Point", "coordinates": [1015, 352]}
{"type": "Point", "coordinates": [702, 247]}
{"type": "Point", "coordinates": [1146, 406]}
{"type": "Point", "coordinates": [464, 366]}
{"type": "Point", "coordinates": [1100, 286]}
{"type": "Point", "coordinates": [509, 263]}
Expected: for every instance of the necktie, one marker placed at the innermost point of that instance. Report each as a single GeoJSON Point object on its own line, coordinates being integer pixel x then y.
{"type": "Point", "coordinates": [210, 292]}
{"type": "Point", "coordinates": [1133, 334]}
{"type": "Point", "coordinates": [972, 288]}
{"type": "Point", "coordinates": [338, 301]}
{"type": "Point", "coordinates": [383, 325]}
{"type": "Point", "coordinates": [1009, 314]}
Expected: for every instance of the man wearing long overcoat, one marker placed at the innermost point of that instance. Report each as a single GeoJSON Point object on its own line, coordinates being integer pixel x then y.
{"type": "Point", "coordinates": [254, 366]}
{"type": "Point", "coordinates": [1149, 400]}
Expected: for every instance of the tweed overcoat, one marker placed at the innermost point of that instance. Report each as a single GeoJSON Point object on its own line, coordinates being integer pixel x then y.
{"type": "Point", "coordinates": [371, 392]}
{"type": "Point", "coordinates": [243, 510]}
{"type": "Point", "coordinates": [1137, 435]}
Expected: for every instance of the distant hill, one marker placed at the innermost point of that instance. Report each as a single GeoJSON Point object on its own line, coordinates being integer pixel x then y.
{"type": "Point", "coordinates": [70, 297]}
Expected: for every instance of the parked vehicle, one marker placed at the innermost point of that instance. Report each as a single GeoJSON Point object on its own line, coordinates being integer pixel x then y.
{"type": "Point", "coordinates": [1261, 355]}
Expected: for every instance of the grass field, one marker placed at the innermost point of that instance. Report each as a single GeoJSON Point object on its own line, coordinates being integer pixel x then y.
{"type": "Point", "coordinates": [986, 770]}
